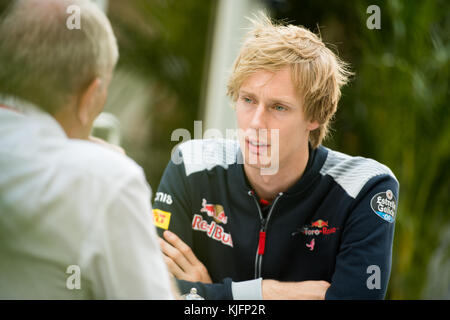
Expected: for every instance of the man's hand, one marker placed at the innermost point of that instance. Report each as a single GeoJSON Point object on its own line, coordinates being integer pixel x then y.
{"type": "Point", "coordinates": [304, 290]}
{"type": "Point", "coordinates": [181, 261]}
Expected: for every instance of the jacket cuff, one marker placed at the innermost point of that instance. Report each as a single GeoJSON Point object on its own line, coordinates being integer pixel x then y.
{"type": "Point", "coordinates": [247, 290]}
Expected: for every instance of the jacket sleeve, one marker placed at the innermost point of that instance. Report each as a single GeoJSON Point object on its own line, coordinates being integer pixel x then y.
{"type": "Point", "coordinates": [121, 255]}
{"type": "Point", "coordinates": [363, 263]}
{"type": "Point", "coordinates": [173, 211]}
{"type": "Point", "coordinates": [172, 203]}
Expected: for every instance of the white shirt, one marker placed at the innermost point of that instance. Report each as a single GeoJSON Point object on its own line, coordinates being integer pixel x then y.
{"type": "Point", "coordinates": [73, 206]}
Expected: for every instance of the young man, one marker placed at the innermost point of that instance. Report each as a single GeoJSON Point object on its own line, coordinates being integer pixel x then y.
{"type": "Point", "coordinates": [319, 224]}
{"type": "Point", "coordinates": [75, 218]}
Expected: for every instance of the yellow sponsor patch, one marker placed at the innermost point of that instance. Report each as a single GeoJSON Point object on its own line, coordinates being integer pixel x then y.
{"type": "Point", "coordinates": [161, 218]}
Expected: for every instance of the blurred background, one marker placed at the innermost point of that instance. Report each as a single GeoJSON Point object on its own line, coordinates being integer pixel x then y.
{"type": "Point", "coordinates": [175, 57]}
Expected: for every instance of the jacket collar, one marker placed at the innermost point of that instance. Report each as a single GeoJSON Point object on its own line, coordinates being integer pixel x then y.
{"type": "Point", "coordinates": [26, 111]}
{"type": "Point", "coordinates": [315, 162]}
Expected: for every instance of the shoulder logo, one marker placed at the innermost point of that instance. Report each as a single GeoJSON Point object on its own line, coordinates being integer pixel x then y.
{"type": "Point", "coordinates": [164, 198]}
{"type": "Point", "coordinates": [384, 205]}
{"type": "Point", "coordinates": [161, 218]}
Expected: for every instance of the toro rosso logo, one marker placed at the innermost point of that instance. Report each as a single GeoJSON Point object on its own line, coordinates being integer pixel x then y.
{"type": "Point", "coordinates": [315, 229]}
{"type": "Point", "coordinates": [215, 211]}
{"type": "Point", "coordinates": [318, 227]}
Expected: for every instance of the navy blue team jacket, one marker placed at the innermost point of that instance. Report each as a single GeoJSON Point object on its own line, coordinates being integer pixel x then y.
{"type": "Point", "coordinates": [336, 223]}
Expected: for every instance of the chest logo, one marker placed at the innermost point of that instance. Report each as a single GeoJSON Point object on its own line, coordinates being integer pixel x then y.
{"type": "Point", "coordinates": [311, 244]}
{"type": "Point", "coordinates": [319, 223]}
{"type": "Point", "coordinates": [318, 227]}
{"type": "Point", "coordinates": [215, 211]}
{"type": "Point", "coordinates": [212, 230]}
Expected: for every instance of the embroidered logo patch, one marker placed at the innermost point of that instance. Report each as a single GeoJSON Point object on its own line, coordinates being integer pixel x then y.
{"type": "Point", "coordinates": [384, 205]}
{"type": "Point", "coordinates": [318, 227]}
{"type": "Point", "coordinates": [319, 223]}
{"type": "Point", "coordinates": [215, 211]}
{"type": "Point", "coordinates": [311, 244]}
{"type": "Point", "coordinates": [212, 230]}
{"type": "Point", "coordinates": [161, 218]}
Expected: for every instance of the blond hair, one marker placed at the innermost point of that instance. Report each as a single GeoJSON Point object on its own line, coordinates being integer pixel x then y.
{"type": "Point", "coordinates": [317, 72]}
{"type": "Point", "coordinates": [46, 63]}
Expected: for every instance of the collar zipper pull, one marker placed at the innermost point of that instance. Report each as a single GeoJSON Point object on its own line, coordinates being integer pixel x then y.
{"type": "Point", "coordinates": [262, 242]}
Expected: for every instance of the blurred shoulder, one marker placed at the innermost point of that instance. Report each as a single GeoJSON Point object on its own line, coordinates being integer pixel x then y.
{"type": "Point", "coordinates": [352, 173]}
{"type": "Point", "coordinates": [99, 161]}
{"type": "Point", "coordinates": [205, 154]}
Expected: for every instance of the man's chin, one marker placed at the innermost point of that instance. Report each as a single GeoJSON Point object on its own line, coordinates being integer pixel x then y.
{"type": "Point", "coordinates": [266, 166]}
{"type": "Point", "coordinates": [258, 164]}
{"type": "Point", "coordinates": [264, 170]}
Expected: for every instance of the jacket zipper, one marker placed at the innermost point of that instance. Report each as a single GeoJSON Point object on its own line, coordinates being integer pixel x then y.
{"type": "Point", "coordinates": [262, 232]}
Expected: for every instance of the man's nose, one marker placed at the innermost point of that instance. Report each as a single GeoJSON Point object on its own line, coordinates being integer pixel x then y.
{"type": "Point", "coordinates": [259, 117]}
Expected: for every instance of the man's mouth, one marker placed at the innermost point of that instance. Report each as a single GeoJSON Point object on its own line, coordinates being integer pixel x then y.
{"type": "Point", "coordinates": [255, 146]}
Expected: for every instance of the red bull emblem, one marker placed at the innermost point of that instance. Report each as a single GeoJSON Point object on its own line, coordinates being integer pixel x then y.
{"type": "Point", "coordinates": [319, 223]}
{"type": "Point", "coordinates": [212, 230]}
{"type": "Point", "coordinates": [215, 211]}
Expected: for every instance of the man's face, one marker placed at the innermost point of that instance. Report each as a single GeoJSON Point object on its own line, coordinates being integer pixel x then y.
{"type": "Point", "coordinates": [268, 104]}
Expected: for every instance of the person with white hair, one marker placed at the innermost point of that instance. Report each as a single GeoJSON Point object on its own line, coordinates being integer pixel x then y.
{"type": "Point", "coordinates": [75, 217]}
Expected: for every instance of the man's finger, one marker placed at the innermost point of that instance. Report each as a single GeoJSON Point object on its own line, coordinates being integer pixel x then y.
{"type": "Point", "coordinates": [186, 260]}
{"type": "Point", "coordinates": [177, 243]}
{"type": "Point", "coordinates": [173, 268]}
{"type": "Point", "coordinates": [175, 254]}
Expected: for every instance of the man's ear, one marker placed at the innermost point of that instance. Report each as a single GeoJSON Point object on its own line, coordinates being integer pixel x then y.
{"type": "Point", "coordinates": [88, 103]}
{"type": "Point", "coordinates": [313, 125]}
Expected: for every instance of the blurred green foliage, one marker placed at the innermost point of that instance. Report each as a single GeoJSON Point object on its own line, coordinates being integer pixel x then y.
{"type": "Point", "coordinates": [408, 127]}
{"type": "Point", "coordinates": [396, 111]}
{"type": "Point", "coordinates": [166, 42]}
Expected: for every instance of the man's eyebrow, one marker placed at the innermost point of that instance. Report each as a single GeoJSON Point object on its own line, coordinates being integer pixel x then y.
{"type": "Point", "coordinates": [246, 93]}
{"type": "Point", "coordinates": [281, 100]}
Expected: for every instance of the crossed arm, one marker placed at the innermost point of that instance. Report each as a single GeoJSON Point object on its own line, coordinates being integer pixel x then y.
{"type": "Point", "coordinates": [184, 265]}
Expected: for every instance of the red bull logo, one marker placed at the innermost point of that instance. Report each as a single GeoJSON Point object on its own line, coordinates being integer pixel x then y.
{"type": "Point", "coordinates": [319, 223]}
{"type": "Point", "coordinates": [215, 211]}
{"type": "Point", "coordinates": [212, 230]}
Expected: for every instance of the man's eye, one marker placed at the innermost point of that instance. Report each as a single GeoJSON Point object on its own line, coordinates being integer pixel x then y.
{"type": "Point", "coordinates": [279, 108]}
{"type": "Point", "coordinates": [247, 100]}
